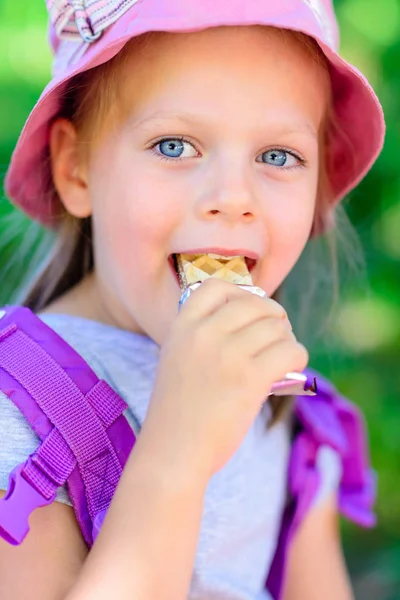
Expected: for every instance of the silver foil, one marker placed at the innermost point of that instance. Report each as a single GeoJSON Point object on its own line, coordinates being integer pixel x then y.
{"type": "Point", "coordinates": [294, 384]}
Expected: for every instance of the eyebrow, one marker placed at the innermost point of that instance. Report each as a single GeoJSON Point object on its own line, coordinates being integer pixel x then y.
{"type": "Point", "coordinates": [297, 126]}
{"type": "Point", "coordinates": [170, 115]}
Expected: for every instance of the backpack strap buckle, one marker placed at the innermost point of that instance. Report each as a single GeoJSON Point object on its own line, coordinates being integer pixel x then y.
{"type": "Point", "coordinates": [21, 499]}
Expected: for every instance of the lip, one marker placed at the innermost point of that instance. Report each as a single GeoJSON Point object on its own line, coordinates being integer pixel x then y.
{"type": "Point", "coordinates": [223, 251]}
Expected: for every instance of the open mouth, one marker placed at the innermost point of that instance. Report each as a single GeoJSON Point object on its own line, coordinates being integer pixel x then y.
{"type": "Point", "coordinates": [250, 262]}
{"type": "Point", "coordinates": [206, 265]}
{"type": "Point", "coordinates": [175, 270]}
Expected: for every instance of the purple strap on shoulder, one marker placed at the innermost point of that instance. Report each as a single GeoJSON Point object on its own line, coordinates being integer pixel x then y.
{"type": "Point", "coordinates": [86, 440]}
{"type": "Point", "coordinates": [325, 419]}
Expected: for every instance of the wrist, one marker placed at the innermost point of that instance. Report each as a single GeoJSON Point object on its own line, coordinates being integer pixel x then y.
{"type": "Point", "coordinates": [165, 458]}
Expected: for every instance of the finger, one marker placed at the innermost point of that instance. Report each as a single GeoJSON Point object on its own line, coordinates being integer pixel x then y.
{"type": "Point", "coordinates": [259, 335]}
{"type": "Point", "coordinates": [281, 357]}
{"type": "Point", "coordinates": [215, 294]}
{"type": "Point", "coordinates": [243, 311]}
{"type": "Point", "coordinates": [211, 295]}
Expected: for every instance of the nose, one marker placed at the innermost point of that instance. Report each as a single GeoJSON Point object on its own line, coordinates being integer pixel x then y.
{"type": "Point", "coordinates": [230, 195]}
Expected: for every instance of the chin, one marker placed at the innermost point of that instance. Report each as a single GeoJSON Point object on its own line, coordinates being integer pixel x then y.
{"type": "Point", "coordinates": [157, 326]}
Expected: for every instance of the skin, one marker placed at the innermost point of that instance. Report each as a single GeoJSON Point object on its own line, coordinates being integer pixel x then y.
{"type": "Point", "coordinates": [220, 194]}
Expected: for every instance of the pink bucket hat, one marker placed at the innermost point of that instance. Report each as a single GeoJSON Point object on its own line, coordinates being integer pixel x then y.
{"type": "Point", "coordinates": [87, 33]}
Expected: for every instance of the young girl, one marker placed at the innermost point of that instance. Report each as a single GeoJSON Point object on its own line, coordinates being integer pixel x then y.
{"type": "Point", "coordinates": [174, 126]}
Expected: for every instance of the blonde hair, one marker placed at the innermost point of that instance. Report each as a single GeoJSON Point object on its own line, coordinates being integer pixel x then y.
{"type": "Point", "coordinates": [87, 99]}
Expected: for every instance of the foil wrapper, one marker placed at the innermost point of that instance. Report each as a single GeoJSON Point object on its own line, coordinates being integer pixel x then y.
{"type": "Point", "coordinates": [294, 384]}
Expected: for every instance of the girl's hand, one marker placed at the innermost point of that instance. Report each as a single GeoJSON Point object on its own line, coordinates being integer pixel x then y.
{"type": "Point", "coordinates": [225, 350]}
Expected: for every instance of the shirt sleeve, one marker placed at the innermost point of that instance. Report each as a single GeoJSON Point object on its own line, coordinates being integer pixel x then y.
{"type": "Point", "coordinates": [329, 466]}
{"type": "Point", "coordinates": [17, 442]}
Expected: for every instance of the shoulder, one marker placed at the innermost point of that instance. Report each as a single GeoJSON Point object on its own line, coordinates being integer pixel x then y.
{"type": "Point", "coordinates": [18, 441]}
{"type": "Point", "coordinates": [86, 337]}
{"type": "Point", "coordinates": [127, 361]}
{"type": "Point", "coordinates": [17, 438]}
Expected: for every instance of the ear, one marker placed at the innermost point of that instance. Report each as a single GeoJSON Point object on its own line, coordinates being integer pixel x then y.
{"type": "Point", "coordinates": [69, 169]}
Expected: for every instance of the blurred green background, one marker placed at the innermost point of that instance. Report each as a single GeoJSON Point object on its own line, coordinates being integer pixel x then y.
{"type": "Point", "coordinates": [360, 350]}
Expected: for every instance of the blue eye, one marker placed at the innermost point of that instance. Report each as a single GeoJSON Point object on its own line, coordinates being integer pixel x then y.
{"type": "Point", "coordinates": [171, 148]}
{"type": "Point", "coordinates": [175, 148]}
{"type": "Point", "coordinates": [279, 158]}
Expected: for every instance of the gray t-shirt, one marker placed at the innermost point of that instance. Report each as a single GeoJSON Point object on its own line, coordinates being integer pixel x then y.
{"type": "Point", "coordinates": [244, 501]}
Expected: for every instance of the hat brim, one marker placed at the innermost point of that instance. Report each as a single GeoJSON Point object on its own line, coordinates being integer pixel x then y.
{"type": "Point", "coordinates": [354, 144]}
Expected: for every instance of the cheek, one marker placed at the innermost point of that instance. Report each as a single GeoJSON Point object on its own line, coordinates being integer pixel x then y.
{"type": "Point", "coordinates": [294, 221]}
{"type": "Point", "coordinates": [289, 229]}
{"type": "Point", "coordinates": [134, 213]}
{"type": "Point", "coordinates": [292, 213]}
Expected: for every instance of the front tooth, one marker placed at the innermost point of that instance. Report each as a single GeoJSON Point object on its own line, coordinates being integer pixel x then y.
{"type": "Point", "coordinates": [222, 256]}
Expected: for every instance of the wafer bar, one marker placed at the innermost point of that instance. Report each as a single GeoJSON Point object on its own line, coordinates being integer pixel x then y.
{"type": "Point", "coordinates": [193, 269]}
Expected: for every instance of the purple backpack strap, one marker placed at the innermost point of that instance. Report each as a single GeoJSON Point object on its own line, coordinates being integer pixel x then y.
{"type": "Point", "coordinates": [85, 439]}
{"type": "Point", "coordinates": [326, 419]}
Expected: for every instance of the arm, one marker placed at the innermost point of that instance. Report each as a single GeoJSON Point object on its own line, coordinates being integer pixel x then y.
{"type": "Point", "coordinates": [147, 545]}
{"type": "Point", "coordinates": [47, 564]}
{"type": "Point", "coordinates": [233, 346]}
{"type": "Point", "coordinates": [146, 548]}
{"type": "Point", "coordinates": [316, 566]}
{"type": "Point", "coordinates": [226, 348]}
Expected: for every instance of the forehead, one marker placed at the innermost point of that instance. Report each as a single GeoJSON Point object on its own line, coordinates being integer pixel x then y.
{"type": "Point", "coordinates": [221, 67]}
{"type": "Point", "coordinates": [233, 77]}
{"type": "Point", "coordinates": [219, 41]}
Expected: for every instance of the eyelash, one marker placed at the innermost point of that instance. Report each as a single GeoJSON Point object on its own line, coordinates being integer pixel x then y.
{"type": "Point", "coordinates": [302, 161]}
